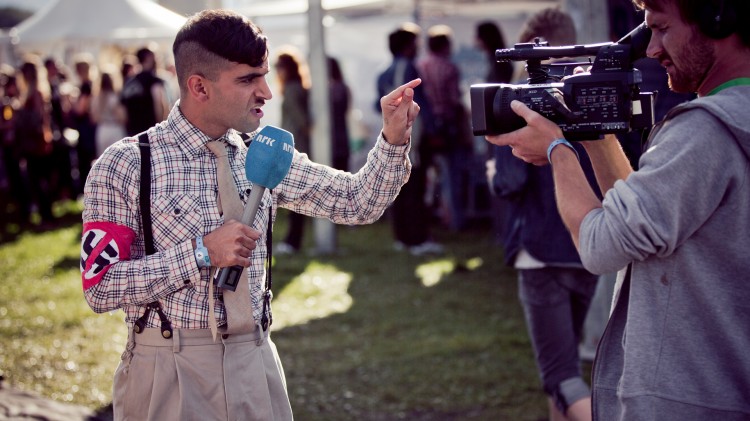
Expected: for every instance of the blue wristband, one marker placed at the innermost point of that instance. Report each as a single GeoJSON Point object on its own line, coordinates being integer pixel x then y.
{"type": "Point", "coordinates": [201, 253]}
{"type": "Point", "coordinates": [560, 141]}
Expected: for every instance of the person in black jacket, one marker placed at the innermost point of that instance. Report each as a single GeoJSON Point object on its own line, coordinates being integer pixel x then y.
{"type": "Point", "coordinates": [144, 95]}
{"type": "Point", "coordinates": [554, 288]}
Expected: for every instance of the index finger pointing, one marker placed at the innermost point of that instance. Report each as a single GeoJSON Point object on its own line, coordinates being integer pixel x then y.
{"type": "Point", "coordinates": [398, 93]}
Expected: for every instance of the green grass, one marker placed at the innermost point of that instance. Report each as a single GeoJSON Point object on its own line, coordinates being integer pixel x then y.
{"type": "Point", "coordinates": [365, 334]}
{"type": "Point", "coordinates": [52, 343]}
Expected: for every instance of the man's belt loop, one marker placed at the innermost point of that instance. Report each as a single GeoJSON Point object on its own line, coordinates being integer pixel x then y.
{"type": "Point", "coordinates": [176, 341]}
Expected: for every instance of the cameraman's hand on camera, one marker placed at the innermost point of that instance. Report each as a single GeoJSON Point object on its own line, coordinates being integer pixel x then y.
{"type": "Point", "coordinates": [529, 143]}
{"type": "Point", "coordinates": [231, 244]}
{"type": "Point", "coordinates": [399, 113]}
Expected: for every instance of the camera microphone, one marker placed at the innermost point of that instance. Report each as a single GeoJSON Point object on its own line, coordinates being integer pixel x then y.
{"type": "Point", "coordinates": [541, 51]}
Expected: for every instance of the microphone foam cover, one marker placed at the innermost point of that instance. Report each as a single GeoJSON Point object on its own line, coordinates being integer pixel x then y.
{"type": "Point", "coordinates": [269, 156]}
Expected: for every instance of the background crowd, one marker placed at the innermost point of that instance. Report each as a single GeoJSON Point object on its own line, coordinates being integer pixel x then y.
{"type": "Point", "coordinates": [56, 121]}
{"type": "Point", "coordinates": [58, 118]}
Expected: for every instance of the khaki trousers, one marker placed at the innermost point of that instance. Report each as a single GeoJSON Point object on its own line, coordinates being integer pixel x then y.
{"type": "Point", "coordinates": [191, 377]}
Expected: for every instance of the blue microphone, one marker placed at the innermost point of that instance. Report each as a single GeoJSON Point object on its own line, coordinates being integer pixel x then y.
{"type": "Point", "coordinates": [269, 157]}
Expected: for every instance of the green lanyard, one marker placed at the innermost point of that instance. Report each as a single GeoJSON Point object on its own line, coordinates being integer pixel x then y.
{"type": "Point", "coordinates": [734, 82]}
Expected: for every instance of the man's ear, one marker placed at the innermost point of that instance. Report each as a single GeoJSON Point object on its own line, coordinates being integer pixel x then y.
{"type": "Point", "coordinates": [198, 88]}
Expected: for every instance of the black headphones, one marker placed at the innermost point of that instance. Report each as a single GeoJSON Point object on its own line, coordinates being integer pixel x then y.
{"type": "Point", "coordinates": [718, 18]}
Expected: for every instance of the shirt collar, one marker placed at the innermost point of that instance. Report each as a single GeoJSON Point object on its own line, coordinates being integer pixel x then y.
{"type": "Point", "coordinates": [191, 140]}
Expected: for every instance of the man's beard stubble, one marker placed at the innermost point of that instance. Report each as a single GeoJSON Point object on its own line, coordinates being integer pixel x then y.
{"type": "Point", "coordinates": [696, 56]}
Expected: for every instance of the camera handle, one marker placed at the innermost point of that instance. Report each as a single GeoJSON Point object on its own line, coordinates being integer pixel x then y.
{"type": "Point", "coordinates": [537, 74]}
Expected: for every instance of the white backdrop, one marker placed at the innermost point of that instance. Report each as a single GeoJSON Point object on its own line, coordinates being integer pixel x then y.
{"type": "Point", "coordinates": [89, 24]}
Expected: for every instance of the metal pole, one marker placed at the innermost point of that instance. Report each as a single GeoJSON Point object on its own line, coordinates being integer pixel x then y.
{"type": "Point", "coordinates": [320, 142]}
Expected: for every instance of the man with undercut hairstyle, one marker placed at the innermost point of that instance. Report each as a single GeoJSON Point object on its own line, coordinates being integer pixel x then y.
{"type": "Point", "coordinates": [175, 366]}
{"type": "Point", "coordinates": [676, 345]}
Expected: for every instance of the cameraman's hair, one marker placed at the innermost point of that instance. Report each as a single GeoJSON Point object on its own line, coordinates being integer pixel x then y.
{"type": "Point", "coordinates": [400, 39]}
{"type": "Point", "coordinates": [552, 24]}
{"type": "Point", "coordinates": [211, 40]}
{"type": "Point", "coordinates": [691, 11]}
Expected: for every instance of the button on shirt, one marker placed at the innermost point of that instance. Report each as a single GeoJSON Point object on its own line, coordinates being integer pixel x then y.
{"type": "Point", "coordinates": [184, 197]}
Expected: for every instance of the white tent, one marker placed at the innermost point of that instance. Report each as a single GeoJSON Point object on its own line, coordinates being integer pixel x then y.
{"type": "Point", "coordinates": [66, 23]}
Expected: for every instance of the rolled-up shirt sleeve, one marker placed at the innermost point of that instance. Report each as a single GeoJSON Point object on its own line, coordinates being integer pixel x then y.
{"type": "Point", "coordinates": [342, 197]}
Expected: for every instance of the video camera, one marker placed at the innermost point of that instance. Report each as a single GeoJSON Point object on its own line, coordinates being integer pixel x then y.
{"type": "Point", "coordinates": [585, 105]}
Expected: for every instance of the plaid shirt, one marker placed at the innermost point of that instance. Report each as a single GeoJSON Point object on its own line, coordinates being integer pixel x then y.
{"type": "Point", "coordinates": [184, 196]}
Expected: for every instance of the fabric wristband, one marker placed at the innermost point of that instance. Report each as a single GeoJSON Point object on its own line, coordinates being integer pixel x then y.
{"type": "Point", "coordinates": [201, 253]}
{"type": "Point", "coordinates": [560, 141]}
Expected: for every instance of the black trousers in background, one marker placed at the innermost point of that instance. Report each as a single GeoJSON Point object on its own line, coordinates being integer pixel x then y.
{"type": "Point", "coordinates": [296, 229]}
{"type": "Point", "coordinates": [40, 173]}
{"type": "Point", "coordinates": [411, 219]}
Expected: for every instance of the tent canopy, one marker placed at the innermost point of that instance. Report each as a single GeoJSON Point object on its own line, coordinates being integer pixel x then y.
{"type": "Point", "coordinates": [122, 22]}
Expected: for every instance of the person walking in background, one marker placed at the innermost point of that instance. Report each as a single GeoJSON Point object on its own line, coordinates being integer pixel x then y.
{"type": "Point", "coordinates": [144, 95]}
{"type": "Point", "coordinates": [294, 84]}
{"type": "Point", "coordinates": [489, 39]}
{"type": "Point", "coordinates": [81, 116]}
{"type": "Point", "coordinates": [128, 68]}
{"type": "Point", "coordinates": [33, 137]}
{"type": "Point", "coordinates": [11, 151]}
{"type": "Point", "coordinates": [196, 351]}
{"type": "Point", "coordinates": [452, 148]}
{"type": "Point", "coordinates": [411, 233]}
{"type": "Point", "coordinates": [108, 114]}
{"type": "Point", "coordinates": [554, 288]}
{"type": "Point", "coordinates": [340, 98]}
{"type": "Point", "coordinates": [63, 183]}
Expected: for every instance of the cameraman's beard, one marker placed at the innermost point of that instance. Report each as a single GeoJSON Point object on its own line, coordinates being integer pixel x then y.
{"type": "Point", "coordinates": [693, 61]}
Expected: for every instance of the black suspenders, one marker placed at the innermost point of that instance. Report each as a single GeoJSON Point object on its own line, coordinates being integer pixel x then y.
{"type": "Point", "coordinates": [148, 238]}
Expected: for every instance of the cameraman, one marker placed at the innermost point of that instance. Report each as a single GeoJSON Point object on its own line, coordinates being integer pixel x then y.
{"type": "Point", "coordinates": [677, 340]}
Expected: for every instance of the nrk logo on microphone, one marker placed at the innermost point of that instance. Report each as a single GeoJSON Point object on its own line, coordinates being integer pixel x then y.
{"type": "Point", "coordinates": [269, 156]}
{"type": "Point", "coordinates": [266, 140]}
